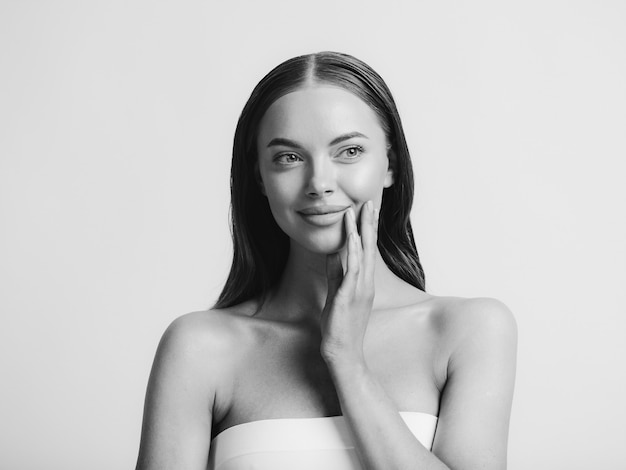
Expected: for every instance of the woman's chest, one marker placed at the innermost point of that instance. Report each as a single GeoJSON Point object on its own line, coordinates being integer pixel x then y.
{"type": "Point", "coordinates": [283, 375]}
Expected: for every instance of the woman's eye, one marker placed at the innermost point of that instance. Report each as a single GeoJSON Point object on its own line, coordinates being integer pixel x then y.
{"type": "Point", "coordinates": [287, 158]}
{"type": "Point", "coordinates": [352, 152]}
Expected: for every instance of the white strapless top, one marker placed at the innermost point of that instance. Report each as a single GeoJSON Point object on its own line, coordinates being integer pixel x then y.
{"type": "Point", "coordinates": [300, 443]}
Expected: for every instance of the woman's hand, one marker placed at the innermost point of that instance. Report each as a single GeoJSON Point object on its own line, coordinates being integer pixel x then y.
{"type": "Point", "coordinates": [350, 295]}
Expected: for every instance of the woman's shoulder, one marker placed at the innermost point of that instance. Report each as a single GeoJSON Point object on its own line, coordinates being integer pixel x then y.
{"type": "Point", "coordinates": [449, 311]}
{"type": "Point", "coordinates": [462, 323]}
{"type": "Point", "coordinates": [471, 314]}
{"type": "Point", "coordinates": [213, 328]}
{"type": "Point", "coordinates": [457, 318]}
{"type": "Point", "coordinates": [204, 349]}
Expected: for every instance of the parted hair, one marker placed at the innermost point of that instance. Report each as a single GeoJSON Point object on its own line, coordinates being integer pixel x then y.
{"type": "Point", "coordinates": [260, 247]}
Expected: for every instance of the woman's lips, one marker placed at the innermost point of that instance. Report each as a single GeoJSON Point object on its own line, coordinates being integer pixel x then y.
{"type": "Point", "coordinates": [322, 216]}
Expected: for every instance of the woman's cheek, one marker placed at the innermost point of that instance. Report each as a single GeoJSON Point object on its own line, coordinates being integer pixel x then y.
{"type": "Point", "coordinates": [280, 189]}
{"type": "Point", "coordinates": [364, 184]}
{"type": "Point", "coordinates": [282, 195]}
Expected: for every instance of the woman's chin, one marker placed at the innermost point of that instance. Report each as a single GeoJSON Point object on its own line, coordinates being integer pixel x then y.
{"type": "Point", "coordinates": [324, 245]}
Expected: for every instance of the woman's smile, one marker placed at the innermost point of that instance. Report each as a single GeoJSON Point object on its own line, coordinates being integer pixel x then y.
{"type": "Point", "coordinates": [321, 150]}
{"type": "Point", "coordinates": [323, 215]}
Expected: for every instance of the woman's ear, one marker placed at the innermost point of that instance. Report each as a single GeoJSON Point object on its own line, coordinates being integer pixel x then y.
{"type": "Point", "coordinates": [258, 179]}
{"type": "Point", "coordinates": [391, 169]}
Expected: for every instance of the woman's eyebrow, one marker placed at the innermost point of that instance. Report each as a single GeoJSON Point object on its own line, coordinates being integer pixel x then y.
{"type": "Point", "coordinates": [348, 136]}
{"type": "Point", "coordinates": [280, 141]}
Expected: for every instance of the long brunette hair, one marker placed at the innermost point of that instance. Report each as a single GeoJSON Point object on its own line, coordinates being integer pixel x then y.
{"type": "Point", "coordinates": [261, 248]}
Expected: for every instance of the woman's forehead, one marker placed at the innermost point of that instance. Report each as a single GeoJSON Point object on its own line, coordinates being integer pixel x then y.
{"type": "Point", "coordinates": [319, 110]}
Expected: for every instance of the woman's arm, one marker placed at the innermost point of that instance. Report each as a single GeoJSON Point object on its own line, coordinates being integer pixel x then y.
{"type": "Point", "coordinates": [383, 440]}
{"type": "Point", "coordinates": [473, 423]}
{"type": "Point", "coordinates": [476, 403]}
{"type": "Point", "coordinates": [474, 413]}
{"type": "Point", "coordinates": [180, 398]}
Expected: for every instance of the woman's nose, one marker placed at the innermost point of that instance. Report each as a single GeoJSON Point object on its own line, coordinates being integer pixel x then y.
{"type": "Point", "coordinates": [321, 179]}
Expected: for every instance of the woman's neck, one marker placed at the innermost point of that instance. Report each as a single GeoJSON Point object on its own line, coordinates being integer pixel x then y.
{"type": "Point", "coordinates": [300, 295]}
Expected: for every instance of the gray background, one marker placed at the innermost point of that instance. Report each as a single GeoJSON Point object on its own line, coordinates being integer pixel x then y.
{"type": "Point", "coordinates": [116, 122]}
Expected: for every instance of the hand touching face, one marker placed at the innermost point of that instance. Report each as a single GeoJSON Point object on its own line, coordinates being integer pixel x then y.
{"type": "Point", "coordinates": [321, 150]}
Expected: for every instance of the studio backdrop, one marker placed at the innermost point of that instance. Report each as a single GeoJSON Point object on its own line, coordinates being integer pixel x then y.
{"type": "Point", "coordinates": [116, 126]}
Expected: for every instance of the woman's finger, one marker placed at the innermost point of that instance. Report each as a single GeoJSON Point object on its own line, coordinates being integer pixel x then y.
{"type": "Point", "coordinates": [369, 231]}
{"type": "Point", "coordinates": [350, 277]}
{"type": "Point", "coordinates": [354, 229]}
{"type": "Point", "coordinates": [334, 275]}
{"type": "Point", "coordinates": [354, 262]}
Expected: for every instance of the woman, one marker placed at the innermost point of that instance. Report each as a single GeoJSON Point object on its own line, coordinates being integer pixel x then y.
{"type": "Point", "coordinates": [323, 350]}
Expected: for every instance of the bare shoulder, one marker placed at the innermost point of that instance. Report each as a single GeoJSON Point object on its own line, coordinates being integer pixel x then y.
{"type": "Point", "coordinates": [481, 317]}
{"type": "Point", "coordinates": [205, 336]}
{"type": "Point", "coordinates": [189, 388]}
{"type": "Point", "coordinates": [193, 345]}
{"type": "Point", "coordinates": [467, 347]}
{"type": "Point", "coordinates": [202, 350]}
{"type": "Point", "coordinates": [452, 316]}
{"type": "Point", "coordinates": [475, 331]}
{"type": "Point", "coordinates": [196, 333]}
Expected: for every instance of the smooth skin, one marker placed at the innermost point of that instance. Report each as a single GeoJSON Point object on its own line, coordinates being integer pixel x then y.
{"type": "Point", "coordinates": [340, 333]}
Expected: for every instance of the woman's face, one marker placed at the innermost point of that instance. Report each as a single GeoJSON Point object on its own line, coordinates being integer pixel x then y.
{"type": "Point", "coordinates": [321, 150]}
